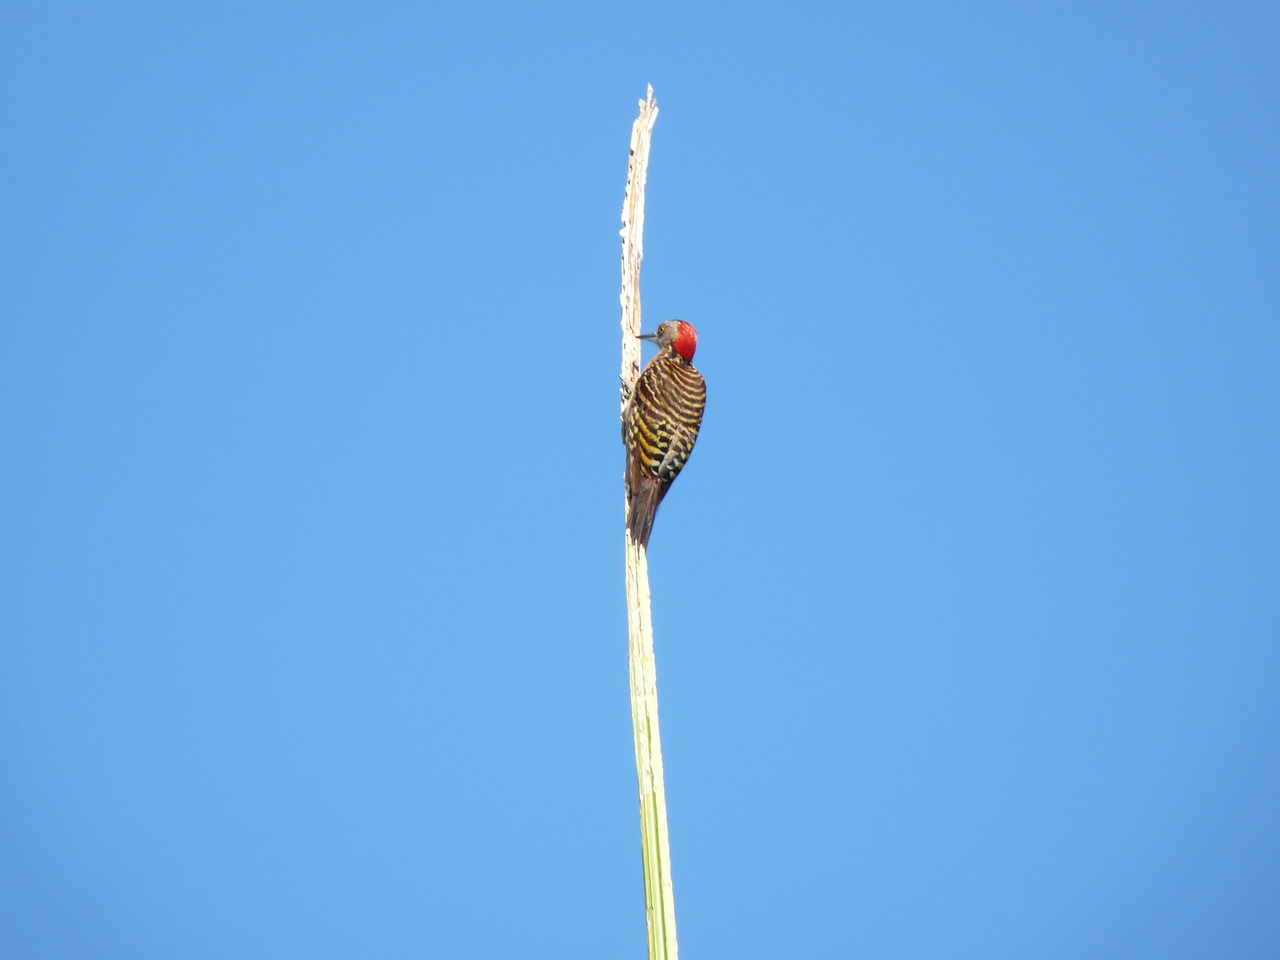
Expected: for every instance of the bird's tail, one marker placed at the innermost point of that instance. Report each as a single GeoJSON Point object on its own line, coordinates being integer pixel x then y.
{"type": "Point", "coordinates": [646, 494]}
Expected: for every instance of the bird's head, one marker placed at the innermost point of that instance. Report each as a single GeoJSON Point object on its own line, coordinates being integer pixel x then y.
{"type": "Point", "coordinates": [677, 334]}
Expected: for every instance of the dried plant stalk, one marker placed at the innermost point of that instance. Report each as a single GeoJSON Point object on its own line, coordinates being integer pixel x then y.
{"type": "Point", "coordinates": [660, 909]}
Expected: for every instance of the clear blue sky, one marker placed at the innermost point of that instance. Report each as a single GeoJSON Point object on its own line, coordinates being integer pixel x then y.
{"type": "Point", "coordinates": [312, 624]}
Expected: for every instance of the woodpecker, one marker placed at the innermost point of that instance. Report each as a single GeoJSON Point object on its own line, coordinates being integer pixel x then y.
{"type": "Point", "coordinates": [661, 423]}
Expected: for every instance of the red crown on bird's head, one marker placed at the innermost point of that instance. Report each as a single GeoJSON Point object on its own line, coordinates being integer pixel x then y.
{"type": "Point", "coordinates": [686, 342]}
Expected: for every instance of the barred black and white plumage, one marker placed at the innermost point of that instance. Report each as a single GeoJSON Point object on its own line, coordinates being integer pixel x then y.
{"type": "Point", "coordinates": [661, 423]}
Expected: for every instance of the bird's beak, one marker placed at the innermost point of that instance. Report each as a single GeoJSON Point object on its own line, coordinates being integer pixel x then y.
{"type": "Point", "coordinates": [651, 337]}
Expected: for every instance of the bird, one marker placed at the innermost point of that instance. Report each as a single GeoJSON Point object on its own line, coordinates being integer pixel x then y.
{"type": "Point", "coordinates": [661, 422]}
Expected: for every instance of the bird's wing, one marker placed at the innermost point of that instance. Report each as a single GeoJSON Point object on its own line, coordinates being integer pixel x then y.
{"type": "Point", "coordinates": [680, 439]}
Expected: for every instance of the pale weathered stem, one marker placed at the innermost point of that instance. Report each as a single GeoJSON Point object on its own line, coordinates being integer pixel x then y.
{"type": "Point", "coordinates": [660, 908]}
